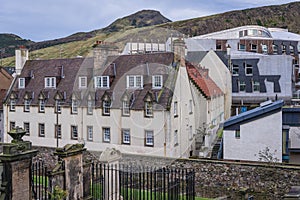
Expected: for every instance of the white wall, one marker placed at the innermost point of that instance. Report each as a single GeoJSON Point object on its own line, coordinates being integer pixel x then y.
{"type": "Point", "coordinates": [255, 136]}
{"type": "Point", "coordinates": [1, 125]}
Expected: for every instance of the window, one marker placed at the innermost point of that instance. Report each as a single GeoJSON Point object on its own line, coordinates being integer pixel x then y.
{"type": "Point", "coordinates": [235, 70]}
{"type": "Point", "coordinates": [82, 82]}
{"type": "Point", "coordinates": [292, 50]}
{"type": "Point", "coordinates": [242, 86]}
{"type": "Point", "coordinates": [175, 109]}
{"type": "Point", "coordinates": [149, 138]}
{"type": "Point", "coordinates": [12, 106]}
{"type": "Point", "coordinates": [191, 132]}
{"type": "Point", "coordinates": [275, 49]}
{"type": "Point", "coordinates": [90, 133]}
{"type": "Point", "coordinates": [27, 127]}
{"type": "Point", "coordinates": [253, 47]}
{"type": "Point", "coordinates": [90, 107]}
{"type": "Point", "coordinates": [157, 81]}
{"type": "Point", "coordinates": [264, 48]}
{"type": "Point", "coordinates": [248, 69]}
{"type": "Point", "coordinates": [134, 81]}
{"type": "Point", "coordinates": [21, 83]}
{"type": "Point", "coordinates": [50, 82]}
{"type": "Point", "coordinates": [126, 136]}
{"type": "Point", "coordinates": [106, 134]}
{"type": "Point", "coordinates": [106, 107]}
{"type": "Point", "coordinates": [57, 131]}
{"type": "Point", "coordinates": [125, 108]}
{"type": "Point", "coordinates": [242, 47]}
{"type": "Point", "coordinates": [237, 134]}
{"type": "Point", "coordinates": [12, 125]}
{"type": "Point", "coordinates": [41, 130]}
{"type": "Point", "coordinates": [74, 132]}
{"type": "Point", "coordinates": [74, 106]}
{"type": "Point", "coordinates": [148, 109]}
{"type": "Point", "coordinates": [26, 105]}
{"type": "Point", "coordinates": [283, 47]}
{"type": "Point", "coordinates": [176, 137]}
{"type": "Point", "coordinates": [102, 82]}
{"type": "Point", "coordinates": [190, 106]}
{"type": "Point", "coordinates": [256, 86]}
{"type": "Point", "coordinates": [218, 47]}
{"type": "Point", "coordinates": [57, 106]}
{"type": "Point", "coordinates": [42, 105]}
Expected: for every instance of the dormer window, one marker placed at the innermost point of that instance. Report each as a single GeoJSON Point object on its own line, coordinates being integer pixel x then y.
{"type": "Point", "coordinates": [106, 104]}
{"type": "Point", "coordinates": [21, 83]}
{"type": "Point", "coordinates": [134, 81]}
{"type": "Point", "coordinates": [148, 105]}
{"type": "Point", "coordinates": [102, 82]}
{"type": "Point", "coordinates": [12, 105]}
{"type": "Point", "coordinates": [74, 106]}
{"type": "Point", "coordinates": [50, 82]}
{"type": "Point", "coordinates": [90, 107]}
{"type": "Point", "coordinates": [26, 105]}
{"type": "Point", "coordinates": [157, 81]}
{"type": "Point", "coordinates": [82, 82]}
{"type": "Point", "coordinates": [41, 105]}
{"type": "Point", "coordinates": [125, 104]}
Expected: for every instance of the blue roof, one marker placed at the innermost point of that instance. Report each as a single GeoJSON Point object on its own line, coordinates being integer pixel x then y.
{"type": "Point", "coordinates": [254, 113]}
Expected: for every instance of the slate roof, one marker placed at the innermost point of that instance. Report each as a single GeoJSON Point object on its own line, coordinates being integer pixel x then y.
{"type": "Point", "coordinates": [253, 114]}
{"type": "Point", "coordinates": [200, 77]}
{"type": "Point", "coordinates": [5, 81]}
{"type": "Point", "coordinates": [117, 68]}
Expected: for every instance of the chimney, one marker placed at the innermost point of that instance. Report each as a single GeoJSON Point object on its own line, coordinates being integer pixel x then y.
{"type": "Point", "coordinates": [101, 51]}
{"type": "Point", "coordinates": [179, 51]}
{"type": "Point", "coordinates": [21, 57]}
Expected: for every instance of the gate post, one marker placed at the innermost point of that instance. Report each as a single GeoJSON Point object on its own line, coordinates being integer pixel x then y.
{"type": "Point", "coordinates": [110, 158]}
{"type": "Point", "coordinates": [71, 154]}
{"type": "Point", "coordinates": [17, 159]}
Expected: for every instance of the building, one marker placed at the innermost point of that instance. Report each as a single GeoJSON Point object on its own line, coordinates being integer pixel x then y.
{"type": "Point", "coordinates": [139, 104]}
{"type": "Point", "coordinates": [256, 133]}
{"type": "Point", "coordinates": [264, 62]}
{"type": "Point", "coordinates": [5, 82]}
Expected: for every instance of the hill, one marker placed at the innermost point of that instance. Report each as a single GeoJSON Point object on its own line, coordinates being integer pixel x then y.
{"type": "Point", "coordinates": [8, 43]}
{"type": "Point", "coordinates": [148, 25]}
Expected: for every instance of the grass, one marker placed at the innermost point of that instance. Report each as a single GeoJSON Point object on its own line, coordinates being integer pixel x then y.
{"type": "Point", "coordinates": [40, 180]}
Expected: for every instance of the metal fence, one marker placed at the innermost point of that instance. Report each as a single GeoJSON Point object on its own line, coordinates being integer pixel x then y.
{"type": "Point", "coordinates": [142, 183]}
{"type": "Point", "coordinates": [40, 181]}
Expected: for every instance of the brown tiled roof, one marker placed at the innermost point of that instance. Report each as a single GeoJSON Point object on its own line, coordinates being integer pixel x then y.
{"type": "Point", "coordinates": [117, 68]}
{"type": "Point", "coordinates": [203, 82]}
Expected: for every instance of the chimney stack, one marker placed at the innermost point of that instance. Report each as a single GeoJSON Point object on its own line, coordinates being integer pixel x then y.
{"type": "Point", "coordinates": [179, 51]}
{"type": "Point", "coordinates": [21, 57]}
{"type": "Point", "coordinates": [101, 51]}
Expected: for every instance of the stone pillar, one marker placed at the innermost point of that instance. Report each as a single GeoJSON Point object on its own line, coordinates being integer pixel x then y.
{"type": "Point", "coordinates": [17, 161]}
{"type": "Point", "coordinates": [179, 51]}
{"type": "Point", "coordinates": [101, 51]}
{"type": "Point", "coordinates": [71, 155]}
{"type": "Point", "coordinates": [110, 158]}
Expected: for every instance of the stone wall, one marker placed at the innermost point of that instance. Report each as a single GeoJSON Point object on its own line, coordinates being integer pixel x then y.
{"type": "Point", "coordinates": [233, 179]}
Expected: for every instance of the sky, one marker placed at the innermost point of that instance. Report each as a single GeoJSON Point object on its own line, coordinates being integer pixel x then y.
{"type": "Point", "coordinates": [40, 20]}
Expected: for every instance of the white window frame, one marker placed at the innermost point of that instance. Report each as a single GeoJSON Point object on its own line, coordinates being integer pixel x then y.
{"type": "Point", "coordinates": [82, 82]}
{"type": "Point", "coordinates": [41, 105]}
{"type": "Point", "coordinates": [26, 127]}
{"type": "Point", "coordinates": [191, 132]}
{"type": "Point", "coordinates": [235, 70]}
{"type": "Point", "coordinates": [106, 134]}
{"type": "Point", "coordinates": [125, 108]}
{"type": "Point", "coordinates": [248, 66]}
{"type": "Point", "coordinates": [90, 133]}
{"type": "Point", "coordinates": [89, 107]}
{"type": "Point", "coordinates": [175, 108]}
{"type": "Point", "coordinates": [57, 130]}
{"type": "Point", "coordinates": [50, 82]}
{"type": "Point", "coordinates": [242, 83]}
{"type": "Point", "coordinates": [264, 48]}
{"type": "Point", "coordinates": [126, 136]}
{"type": "Point", "coordinates": [256, 84]}
{"type": "Point", "coordinates": [240, 47]}
{"type": "Point", "coordinates": [149, 138]}
{"type": "Point", "coordinates": [157, 81]}
{"type": "Point", "coordinates": [106, 107]}
{"type": "Point", "coordinates": [41, 130]}
{"type": "Point", "coordinates": [134, 81]}
{"type": "Point", "coordinates": [26, 105]}
{"type": "Point", "coordinates": [12, 105]}
{"type": "Point", "coordinates": [101, 81]}
{"type": "Point", "coordinates": [57, 106]}
{"type": "Point", "coordinates": [74, 132]}
{"type": "Point", "coordinates": [148, 109]}
{"type": "Point", "coordinates": [74, 106]}
{"type": "Point", "coordinates": [21, 83]}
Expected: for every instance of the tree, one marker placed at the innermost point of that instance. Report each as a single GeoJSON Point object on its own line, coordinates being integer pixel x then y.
{"type": "Point", "coordinates": [266, 155]}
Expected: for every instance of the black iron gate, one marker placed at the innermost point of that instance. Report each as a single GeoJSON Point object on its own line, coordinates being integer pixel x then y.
{"type": "Point", "coordinates": [39, 180]}
{"type": "Point", "coordinates": [142, 183]}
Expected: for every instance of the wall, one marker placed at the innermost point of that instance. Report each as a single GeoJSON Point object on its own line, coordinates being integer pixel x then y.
{"type": "Point", "coordinates": [221, 178]}
{"type": "Point", "coordinates": [252, 141]}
